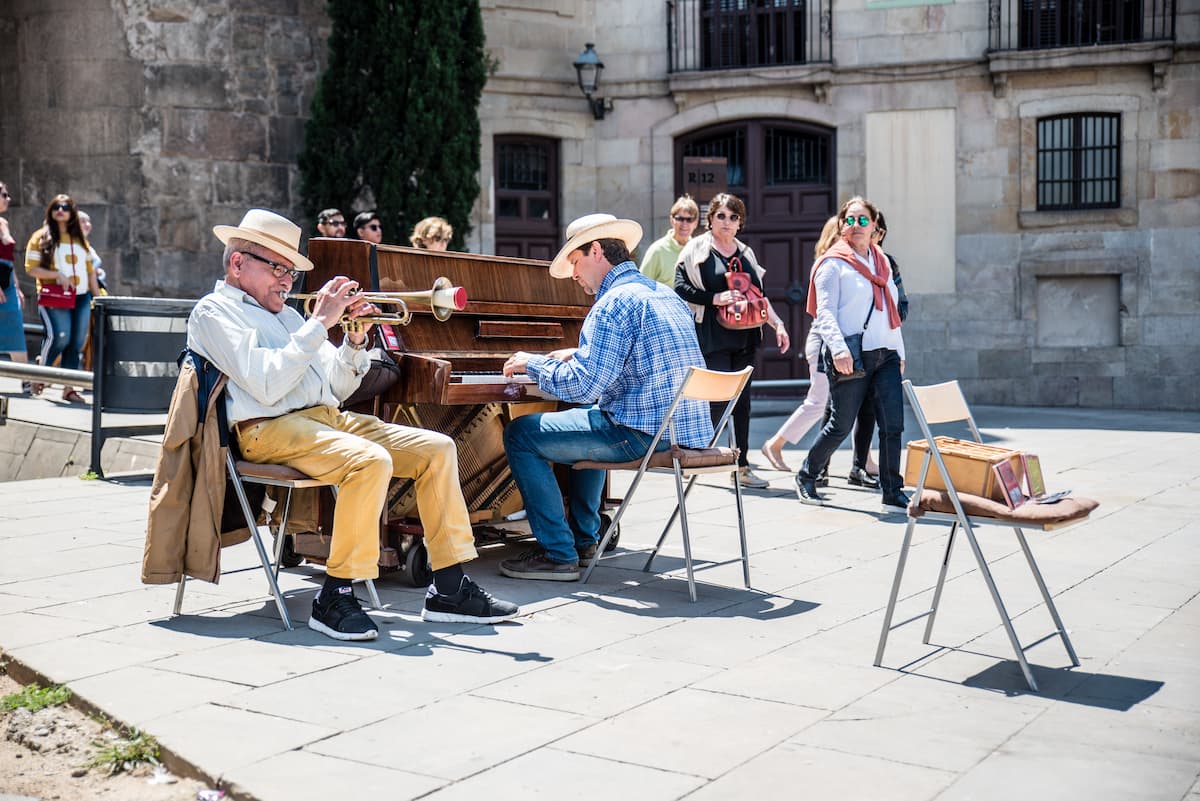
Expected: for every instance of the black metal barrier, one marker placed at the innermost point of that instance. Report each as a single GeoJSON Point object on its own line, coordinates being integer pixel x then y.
{"type": "Point", "coordinates": [135, 347]}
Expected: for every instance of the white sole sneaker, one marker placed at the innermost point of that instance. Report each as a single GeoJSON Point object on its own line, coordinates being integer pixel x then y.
{"type": "Point", "coordinates": [452, 617]}
{"type": "Point", "coordinates": [354, 636]}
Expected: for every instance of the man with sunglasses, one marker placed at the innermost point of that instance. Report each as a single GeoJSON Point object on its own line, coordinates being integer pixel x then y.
{"type": "Point", "coordinates": [663, 254]}
{"type": "Point", "coordinates": [286, 381]}
{"type": "Point", "coordinates": [368, 228]}
{"type": "Point", "coordinates": [331, 222]}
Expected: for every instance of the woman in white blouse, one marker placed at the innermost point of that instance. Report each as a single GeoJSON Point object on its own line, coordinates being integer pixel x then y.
{"type": "Point", "coordinates": [59, 253]}
{"type": "Point", "coordinates": [852, 293]}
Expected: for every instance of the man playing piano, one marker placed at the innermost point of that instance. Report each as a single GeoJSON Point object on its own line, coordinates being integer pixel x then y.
{"type": "Point", "coordinates": [637, 343]}
{"type": "Point", "coordinates": [285, 383]}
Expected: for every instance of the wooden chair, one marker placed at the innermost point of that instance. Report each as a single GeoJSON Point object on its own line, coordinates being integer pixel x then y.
{"type": "Point", "coordinates": [709, 386]}
{"type": "Point", "coordinates": [944, 403]}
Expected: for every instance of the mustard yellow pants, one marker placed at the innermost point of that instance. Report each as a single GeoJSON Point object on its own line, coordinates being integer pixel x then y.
{"type": "Point", "coordinates": [360, 454]}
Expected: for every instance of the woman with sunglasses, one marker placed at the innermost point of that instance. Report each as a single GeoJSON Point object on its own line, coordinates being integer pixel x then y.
{"type": "Point", "coordinates": [431, 233]}
{"type": "Point", "coordinates": [700, 280]}
{"type": "Point", "coordinates": [59, 253]}
{"type": "Point", "coordinates": [851, 292]}
{"type": "Point", "coordinates": [865, 473]}
{"type": "Point", "coordinates": [663, 254]}
{"type": "Point", "coordinates": [12, 323]}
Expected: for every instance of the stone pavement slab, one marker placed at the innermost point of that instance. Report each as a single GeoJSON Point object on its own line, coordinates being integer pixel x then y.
{"type": "Point", "coordinates": [624, 688]}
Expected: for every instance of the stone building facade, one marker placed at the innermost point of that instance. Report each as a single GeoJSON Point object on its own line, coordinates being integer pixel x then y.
{"type": "Point", "coordinates": [161, 118]}
{"type": "Point", "coordinates": [177, 115]}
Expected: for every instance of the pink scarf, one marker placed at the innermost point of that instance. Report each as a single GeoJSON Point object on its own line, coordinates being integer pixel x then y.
{"type": "Point", "coordinates": [883, 273]}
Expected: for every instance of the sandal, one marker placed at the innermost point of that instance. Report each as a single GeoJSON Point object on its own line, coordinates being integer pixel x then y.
{"type": "Point", "coordinates": [775, 459]}
{"type": "Point", "coordinates": [71, 396]}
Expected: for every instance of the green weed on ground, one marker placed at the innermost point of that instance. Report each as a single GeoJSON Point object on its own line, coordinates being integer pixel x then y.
{"type": "Point", "coordinates": [124, 753]}
{"type": "Point", "coordinates": [34, 698]}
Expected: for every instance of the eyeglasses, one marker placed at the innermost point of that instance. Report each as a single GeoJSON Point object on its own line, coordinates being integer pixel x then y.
{"type": "Point", "coordinates": [336, 223]}
{"type": "Point", "coordinates": [5, 195]}
{"type": "Point", "coordinates": [679, 218]}
{"type": "Point", "coordinates": [59, 206]}
{"type": "Point", "coordinates": [277, 269]}
{"type": "Point", "coordinates": [373, 226]}
{"type": "Point", "coordinates": [732, 216]}
{"type": "Point", "coordinates": [862, 219]}
{"type": "Point", "coordinates": [445, 239]}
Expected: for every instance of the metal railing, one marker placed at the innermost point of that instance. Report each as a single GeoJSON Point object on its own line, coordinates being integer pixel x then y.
{"type": "Point", "coordinates": [732, 34]}
{"type": "Point", "coordinates": [1044, 24]}
{"type": "Point", "coordinates": [46, 375]}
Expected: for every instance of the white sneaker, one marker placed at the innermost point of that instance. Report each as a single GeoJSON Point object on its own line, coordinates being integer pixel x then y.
{"type": "Point", "coordinates": [749, 480]}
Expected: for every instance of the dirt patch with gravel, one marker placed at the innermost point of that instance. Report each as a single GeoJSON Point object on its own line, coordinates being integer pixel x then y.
{"type": "Point", "coordinates": [45, 755]}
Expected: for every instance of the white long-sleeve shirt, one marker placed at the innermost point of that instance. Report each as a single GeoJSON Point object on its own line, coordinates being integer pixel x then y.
{"type": "Point", "coordinates": [844, 296]}
{"type": "Point", "coordinates": [276, 363]}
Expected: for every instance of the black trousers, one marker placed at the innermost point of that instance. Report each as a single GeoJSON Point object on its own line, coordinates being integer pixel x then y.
{"type": "Point", "coordinates": [730, 362]}
{"type": "Point", "coordinates": [864, 429]}
{"type": "Point", "coordinates": [882, 382]}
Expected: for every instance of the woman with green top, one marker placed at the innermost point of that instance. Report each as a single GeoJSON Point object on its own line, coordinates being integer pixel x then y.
{"type": "Point", "coordinates": [663, 254]}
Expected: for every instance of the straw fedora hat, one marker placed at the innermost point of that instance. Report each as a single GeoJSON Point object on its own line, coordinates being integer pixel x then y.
{"type": "Point", "coordinates": [270, 230]}
{"type": "Point", "coordinates": [588, 229]}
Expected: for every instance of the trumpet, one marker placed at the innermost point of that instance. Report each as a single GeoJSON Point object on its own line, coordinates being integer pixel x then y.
{"type": "Point", "coordinates": [443, 300]}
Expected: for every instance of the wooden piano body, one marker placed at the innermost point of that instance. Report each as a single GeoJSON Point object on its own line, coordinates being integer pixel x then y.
{"type": "Point", "coordinates": [451, 371]}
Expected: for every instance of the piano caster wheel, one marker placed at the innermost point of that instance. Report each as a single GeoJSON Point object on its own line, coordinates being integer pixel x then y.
{"type": "Point", "coordinates": [288, 556]}
{"type": "Point", "coordinates": [605, 522]}
{"type": "Point", "coordinates": [416, 562]}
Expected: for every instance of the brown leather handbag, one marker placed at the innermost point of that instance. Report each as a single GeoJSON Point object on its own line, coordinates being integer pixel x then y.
{"type": "Point", "coordinates": [750, 312]}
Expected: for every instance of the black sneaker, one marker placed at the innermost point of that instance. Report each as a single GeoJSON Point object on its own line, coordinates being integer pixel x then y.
{"type": "Point", "coordinates": [806, 491]}
{"type": "Point", "coordinates": [895, 502]}
{"type": "Point", "coordinates": [471, 604]}
{"type": "Point", "coordinates": [534, 565]}
{"type": "Point", "coordinates": [340, 616]}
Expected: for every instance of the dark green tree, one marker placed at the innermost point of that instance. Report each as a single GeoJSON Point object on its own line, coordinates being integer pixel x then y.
{"type": "Point", "coordinates": [396, 113]}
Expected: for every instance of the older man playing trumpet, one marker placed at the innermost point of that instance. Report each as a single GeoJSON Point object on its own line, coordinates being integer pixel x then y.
{"type": "Point", "coordinates": [285, 383]}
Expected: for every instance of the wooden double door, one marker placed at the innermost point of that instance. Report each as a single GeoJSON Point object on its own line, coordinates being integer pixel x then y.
{"type": "Point", "coordinates": [784, 172]}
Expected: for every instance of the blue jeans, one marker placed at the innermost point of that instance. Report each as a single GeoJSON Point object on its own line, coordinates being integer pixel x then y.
{"type": "Point", "coordinates": [534, 442]}
{"type": "Point", "coordinates": [880, 387]}
{"type": "Point", "coordinates": [66, 331]}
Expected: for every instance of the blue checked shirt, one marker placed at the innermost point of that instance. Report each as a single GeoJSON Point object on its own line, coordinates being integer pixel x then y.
{"type": "Point", "coordinates": [637, 343]}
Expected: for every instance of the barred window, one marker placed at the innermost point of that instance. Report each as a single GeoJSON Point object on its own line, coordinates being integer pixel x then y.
{"type": "Point", "coordinates": [1079, 161]}
{"type": "Point", "coordinates": [795, 157]}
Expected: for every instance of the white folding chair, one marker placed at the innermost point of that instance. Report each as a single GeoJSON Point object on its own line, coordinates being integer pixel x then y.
{"type": "Point", "coordinates": [699, 384]}
{"type": "Point", "coordinates": [944, 403]}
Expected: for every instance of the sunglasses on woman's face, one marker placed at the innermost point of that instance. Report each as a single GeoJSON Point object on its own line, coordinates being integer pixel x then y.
{"type": "Point", "coordinates": [862, 220]}
{"type": "Point", "coordinates": [683, 220]}
{"type": "Point", "coordinates": [61, 207]}
{"type": "Point", "coordinates": [373, 226]}
{"type": "Point", "coordinates": [732, 216]}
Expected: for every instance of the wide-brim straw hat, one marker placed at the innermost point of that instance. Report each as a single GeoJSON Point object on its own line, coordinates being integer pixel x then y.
{"type": "Point", "coordinates": [588, 229]}
{"type": "Point", "coordinates": [266, 228]}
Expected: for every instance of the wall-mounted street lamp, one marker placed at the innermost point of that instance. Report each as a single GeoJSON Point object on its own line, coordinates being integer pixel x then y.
{"type": "Point", "coordinates": [588, 67]}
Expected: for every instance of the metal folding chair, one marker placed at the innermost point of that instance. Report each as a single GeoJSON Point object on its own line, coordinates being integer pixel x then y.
{"type": "Point", "coordinates": [944, 403]}
{"type": "Point", "coordinates": [699, 384]}
{"type": "Point", "coordinates": [240, 473]}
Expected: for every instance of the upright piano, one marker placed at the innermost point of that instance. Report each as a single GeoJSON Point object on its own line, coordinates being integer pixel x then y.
{"type": "Point", "coordinates": [451, 372]}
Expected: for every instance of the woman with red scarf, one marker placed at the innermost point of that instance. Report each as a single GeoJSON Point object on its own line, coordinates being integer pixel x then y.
{"type": "Point", "coordinates": [852, 293]}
